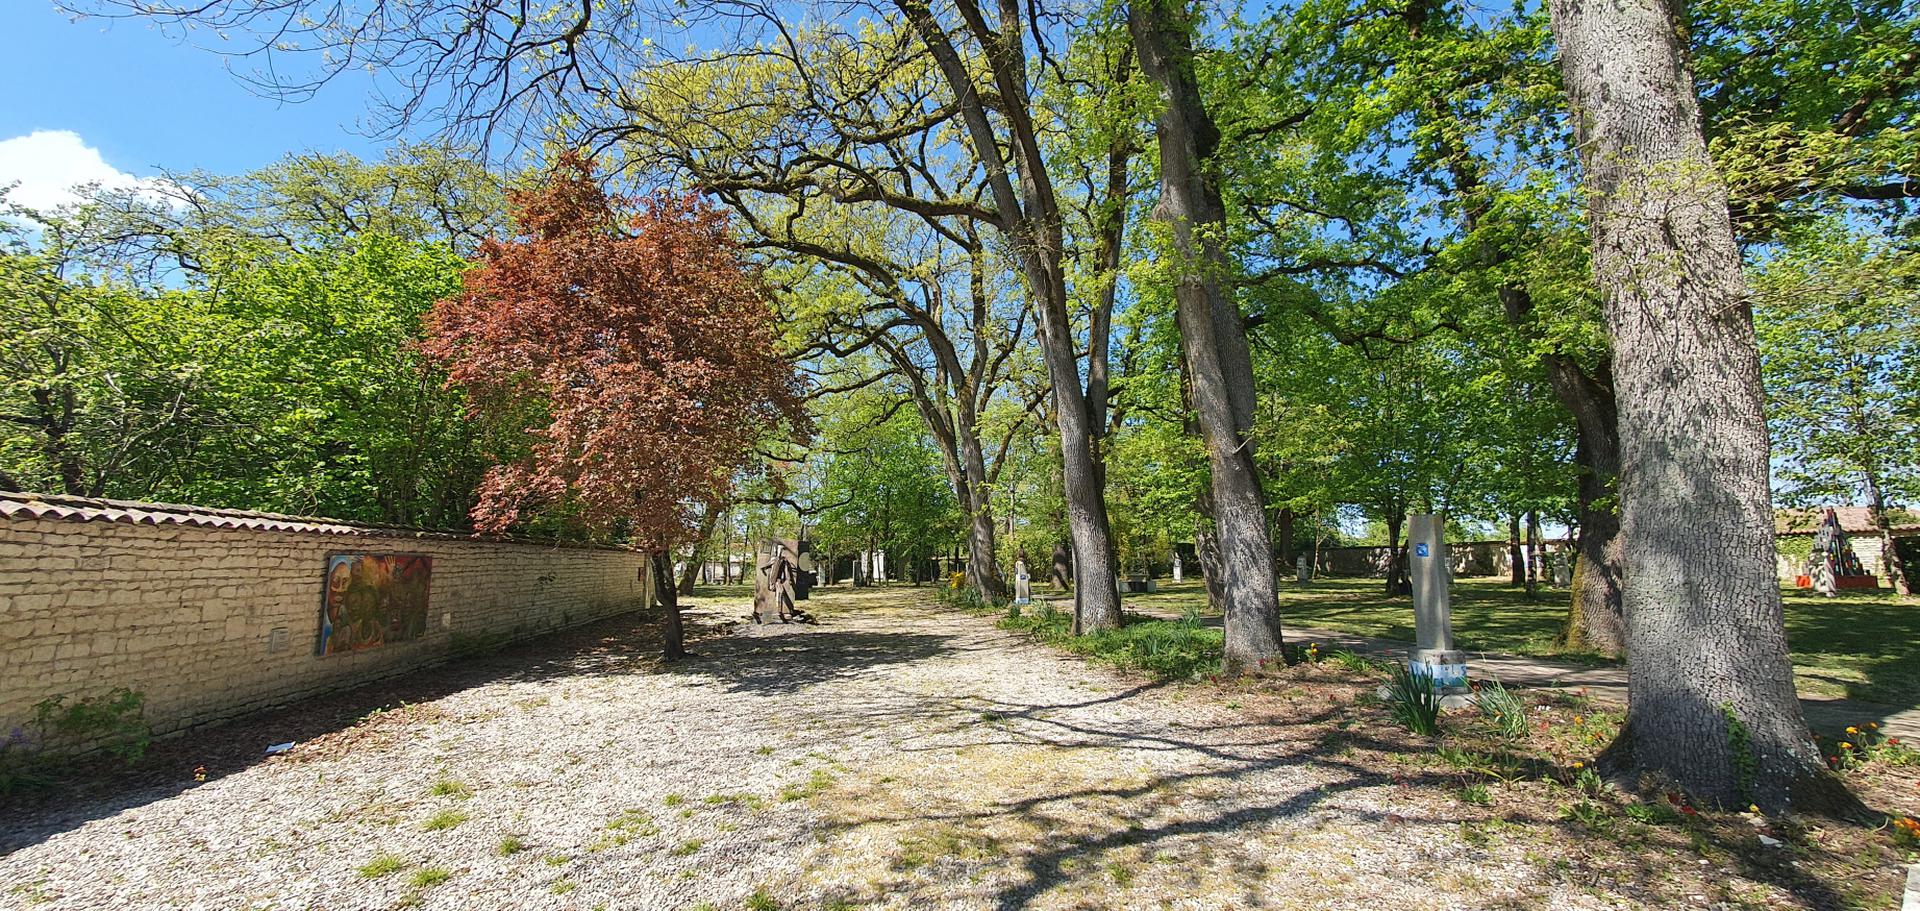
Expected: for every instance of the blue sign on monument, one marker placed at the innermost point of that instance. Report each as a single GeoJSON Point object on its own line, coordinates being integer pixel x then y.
{"type": "Point", "coordinates": [1420, 549]}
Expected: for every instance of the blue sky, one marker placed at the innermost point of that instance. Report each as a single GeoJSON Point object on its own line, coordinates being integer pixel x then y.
{"type": "Point", "coordinates": [143, 101]}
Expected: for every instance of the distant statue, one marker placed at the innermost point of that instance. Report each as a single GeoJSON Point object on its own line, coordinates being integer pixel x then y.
{"type": "Point", "coordinates": [784, 576]}
{"type": "Point", "coordinates": [1022, 580]}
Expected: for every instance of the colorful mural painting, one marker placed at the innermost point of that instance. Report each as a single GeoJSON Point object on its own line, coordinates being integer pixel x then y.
{"type": "Point", "coordinates": [373, 599]}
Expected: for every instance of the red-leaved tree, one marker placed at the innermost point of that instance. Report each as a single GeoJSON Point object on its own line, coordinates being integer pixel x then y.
{"type": "Point", "coordinates": [644, 344]}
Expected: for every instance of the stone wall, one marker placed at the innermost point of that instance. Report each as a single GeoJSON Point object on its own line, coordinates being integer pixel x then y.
{"type": "Point", "coordinates": [211, 614]}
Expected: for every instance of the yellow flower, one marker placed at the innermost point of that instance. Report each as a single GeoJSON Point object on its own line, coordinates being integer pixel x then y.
{"type": "Point", "coordinates": [1576, 719]}
{"type": "Point", "coordinates": [1845, 745]}
{"type": "Point", "coordinates": [1753, 808]}
{"type": "Point", "coordinates": [1852, 730]}
{"type": "Point", "coordinates": [1579, 765]}
{"type": "Point", "coordinates": [1874, 725]}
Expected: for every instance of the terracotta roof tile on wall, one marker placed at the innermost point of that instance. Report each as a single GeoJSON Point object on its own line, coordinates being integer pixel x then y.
{"type": "Point", "coordinates": [14, 505]}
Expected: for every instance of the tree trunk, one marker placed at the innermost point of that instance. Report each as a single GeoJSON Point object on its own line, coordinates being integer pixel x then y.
{"type": "Point", "coordinates": [1517, 575]}
{"type": "Point", "coordinates": [1889, 552]}
{"type": "Point", "coordinates": [1534, 556]}
{"type": "Point", "coordinates": [1283, 522]}
{"type": "Point", "coordinates": [672, 632]}
{"type": "Point", "coordinates": [1062, 567]}
{"type": "Point", "coordinates": [695, 556]}
{"type": "Point", "coordinates": [1711, 704]}
{"type": "Point", "coordinates": [1212, 333]}
{"type": "Point", "coordinates": [1029, 217]}
{"type": "Point", "coordinates": [1595, 619]}
{"type": "Point", "coordinates": [1396, 574]}
{"type": "Point", "coordinates": [1207, 550]}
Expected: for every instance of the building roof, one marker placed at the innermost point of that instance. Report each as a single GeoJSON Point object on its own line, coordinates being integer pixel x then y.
{"type": "Point", "coordinates": [15, 505]}
{"type": "Point", "coordinates": [1853, 521]}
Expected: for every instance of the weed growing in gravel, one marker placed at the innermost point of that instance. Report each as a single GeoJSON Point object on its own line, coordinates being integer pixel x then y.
{"type": "Point", "coordinates": [924, 848]}
{"type": "Point", "coordinates": [761, 900]}
{"type": "Point", "coordinates": [427, 877]}
{"type": "Point", "coordinates": [1476, 794]}
{"type": "Point", "coordinates": [381, 865]}
{"type": "Point", "coordinates": [687, 847]}
{"type": "Point", "coordinates": [750, 801]}
{"type": "Point", "coordinates": [674, 800]}
{"type": "Point", "coordinates": [563, 886]}
{"type": "Point", "coordinates": [636, 822]}
{"type": "Point", "coordinates": [555, 860]}
{"type": "Point", "coordinates": [509, 846]}
{"type": "Point", "coordinates": [764, 751]}
{"type": "Point", "coordinates": [1120, 873]}
{"type": "Point", "coordinates": [447, 787]}
{"type": "Point", "coordinates": [445, 819]}
{"type": "Point", "coordinates": [816, 784]}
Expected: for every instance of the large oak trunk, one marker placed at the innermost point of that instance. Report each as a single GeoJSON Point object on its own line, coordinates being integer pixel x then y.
{"type": "Point", "coordinates": [1711, 703]}
{"type": "Point", "coordinates": [1595, 621]}
{"type": "Point", "coordinates": [1212, 333]}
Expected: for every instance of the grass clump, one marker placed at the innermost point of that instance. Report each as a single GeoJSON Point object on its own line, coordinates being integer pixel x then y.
{"type": "Point", "coordinates": [447, 787]}
{"type": "Point", "coordinates": [445, 819]}
{"type": "Point", "coordinates": [426, 877]}
{"type": "Point", "coordinates": [762, 900]}
{"type": "Point", "coordinates": [816, 784]}
{"type": "Point", "coordinates": [690, 846]}
{"type": "Point", "coordinates": [510, 846]}
{"type": "Point", "coordinates": [382, 865]}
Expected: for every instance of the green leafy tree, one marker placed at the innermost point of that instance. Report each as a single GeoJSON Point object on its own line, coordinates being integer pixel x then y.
{"type": "Point", "coordinates": [1838, 316]}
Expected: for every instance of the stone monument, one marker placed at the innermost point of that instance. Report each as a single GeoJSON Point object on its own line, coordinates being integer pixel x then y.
{"type": "Point", "coordinates": [1022, 581]}
{"type": "Point", "coordinates": [1176, 567]}
{"type": "Point", "coordinates": [1302, 569]}
{"type": "Point", "coordinates": [1433, 655]}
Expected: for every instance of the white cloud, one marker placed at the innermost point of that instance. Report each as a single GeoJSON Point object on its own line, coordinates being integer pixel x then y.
{"type": "Point", "coordinates": [49, 164]}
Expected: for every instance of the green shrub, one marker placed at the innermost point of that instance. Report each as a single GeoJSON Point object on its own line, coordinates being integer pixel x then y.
{"type": "Point", "coordinates": [1507, 711]}
{"type": "Point", "coordinates": [1165, 649]}
{"type": "Point", "coordinates": [113, 723]}
{"type": "Point", "coordinates": [1413, 700]}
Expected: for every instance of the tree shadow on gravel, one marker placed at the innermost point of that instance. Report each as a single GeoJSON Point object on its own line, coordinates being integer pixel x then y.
{"type": "Point", "coordinates": [369, 715]}
{"type": "Point", "coordinates": [1341, 758]}
{"type": "Point", "coordinates": [787, 659]}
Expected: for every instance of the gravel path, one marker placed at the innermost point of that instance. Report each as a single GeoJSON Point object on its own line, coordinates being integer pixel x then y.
{"type": "Point", "coordinates": [894, 756]}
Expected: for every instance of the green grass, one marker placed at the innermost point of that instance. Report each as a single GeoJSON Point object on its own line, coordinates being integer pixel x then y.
{"type": "Point", "coordinates": [1164, 649]}
{"type": "Point", "coordinates": [447, 787]}
{"type": "Point", "coordinates": [382, 865]}
{"type": "Point", "coordinates": [510, 846]}
{"type": "Point", "coordinates": [428, 876]}
{"type": "Point", "coordinates": [445, 819]}
{"type": "Point", "coordinates": [1860, 645]}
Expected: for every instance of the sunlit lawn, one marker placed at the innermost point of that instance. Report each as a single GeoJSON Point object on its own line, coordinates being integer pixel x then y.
{"type": "Point", "coordinates": [1859, 645]}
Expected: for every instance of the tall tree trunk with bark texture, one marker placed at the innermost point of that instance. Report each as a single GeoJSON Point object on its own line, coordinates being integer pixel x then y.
{"type": "Point", "coordinates": [672, 632]}
{"type": "Point", "coordinates": [1029, 217]}
{"type": "Point", "coordinates": [1889, 552]}
{"type": "Point", "coordinates": [1213, 335]}
{"type": "Point", "coordinates": [1711, 703]}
